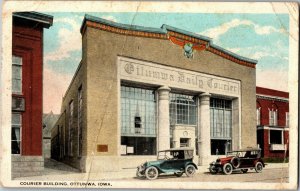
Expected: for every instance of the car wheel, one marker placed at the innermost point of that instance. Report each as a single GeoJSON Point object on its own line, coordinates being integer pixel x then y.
{"type": "Point", "coordinates": [235, 162]}
{"type": "Point", "coordinates": [227, 168]}
{"type": "Point", "coordinates": [244, 170]}
{"type": "Point", "coordinates": [178, 174]}
{"type": "Point", "coordinates": [212, 170]}
{"type": "Point", "coordinates": [258, 167]}
{"type": "Point", "coordinates": [151, 173]}
{"type": "Point", "coordinates": [139, 174]}
{"type": "Point", "coordinates": [190, 170]}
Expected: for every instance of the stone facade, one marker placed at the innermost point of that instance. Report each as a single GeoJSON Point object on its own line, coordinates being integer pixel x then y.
{"type": "Point", "coordinates": [23, 166]}
{"type": "Point", "coordinates": [113, 55]}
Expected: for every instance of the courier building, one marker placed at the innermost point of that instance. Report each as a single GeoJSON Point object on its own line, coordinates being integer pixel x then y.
{"type": "Point", "coordinates": [138, 90]}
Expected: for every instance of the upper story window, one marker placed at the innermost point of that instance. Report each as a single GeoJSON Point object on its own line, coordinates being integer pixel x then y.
{"type": "Point", "coordinates": [273, 117]}
{"type": "Point", "coordinates": [258, 116]}
{"type": "Point", "coordinates": [16, 75]}
{"type": "Point", "coordinates": [287, 119]}
{"type": "Point", "coordinates": [71, 109]}
{"type": "Point", "coordinates": [183, 109]}
{"type": "Point", "coordinates": [220, 118]}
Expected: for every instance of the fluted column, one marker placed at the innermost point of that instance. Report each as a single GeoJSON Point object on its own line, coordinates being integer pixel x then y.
{"type": "Point", "coordinates": [204, 129]}
{"type": "Point", "coordinates": [163, 118]}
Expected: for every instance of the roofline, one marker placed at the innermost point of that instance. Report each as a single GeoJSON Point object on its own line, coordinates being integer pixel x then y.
{"type": "Point", "coordinates": [163, 33]}
{"type": "Point", "coordinates": [45, 20]}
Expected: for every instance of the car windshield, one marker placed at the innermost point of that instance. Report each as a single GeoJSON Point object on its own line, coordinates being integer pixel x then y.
{"type": "Point", "coordinates": [236, 153]}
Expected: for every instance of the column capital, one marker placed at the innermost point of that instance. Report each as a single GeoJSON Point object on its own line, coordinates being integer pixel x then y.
{"type": "Point", "coordinates": [205, 94]}
{"type": "Point", "coordinates": [163, 92]}
{"type": "Point", "coordinates": [164, 88]}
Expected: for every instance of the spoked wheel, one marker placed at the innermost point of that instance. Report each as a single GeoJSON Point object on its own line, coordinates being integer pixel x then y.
{"type": "Point", "coordinates": [258, 167]}
{"type": "Point", "coordinates": [227, 168]}
{"type": "Point", "coordinates": [151, 173]}
{"type": "Point", "coordinates": [190, 170]}
{"type": "Point", "coordinates": [178, 174]}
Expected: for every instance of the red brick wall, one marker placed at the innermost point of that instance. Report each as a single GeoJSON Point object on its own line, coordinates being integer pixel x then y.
{"type": "Point", "coordinates": [282, 108]}
{"type": "Point", "coordinates": [265, 105]}
{"type": "Point", "coordinates": [28, 44]}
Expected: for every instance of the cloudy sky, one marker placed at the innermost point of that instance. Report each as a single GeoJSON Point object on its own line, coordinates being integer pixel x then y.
{"type": "Point", "coordinates": [263, 37]}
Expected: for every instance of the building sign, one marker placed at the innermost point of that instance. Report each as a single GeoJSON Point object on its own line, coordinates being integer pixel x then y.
{"type": "Point", "coordinates": [145, 72]}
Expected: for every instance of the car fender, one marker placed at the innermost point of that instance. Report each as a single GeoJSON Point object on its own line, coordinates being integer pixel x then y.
{"type": "Point", "coordinates": [192, 164]}
{"type": "Point", "coordinates": [158, 168]}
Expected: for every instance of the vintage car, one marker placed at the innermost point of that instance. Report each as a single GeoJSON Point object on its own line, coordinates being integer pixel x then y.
{"type": "Point", "coordinates": [174, 161]}
{"type": "Point", "coordinates": [238, 160]}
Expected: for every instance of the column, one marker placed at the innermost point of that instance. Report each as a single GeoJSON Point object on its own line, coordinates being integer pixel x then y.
{"type": "Point", "coordinates": [204, 129]}
{"type": "Point", "coordinates": [163, 118]}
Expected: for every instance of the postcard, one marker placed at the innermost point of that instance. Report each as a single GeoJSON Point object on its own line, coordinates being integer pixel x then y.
{"type": "Point", "coordinates": [149, 95]}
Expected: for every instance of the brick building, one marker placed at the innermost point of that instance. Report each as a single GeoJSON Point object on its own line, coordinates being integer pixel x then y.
{"type": "Point", "coordinates": [27, 92]}
{"type": "Point", "coordinates": [138, 90]}
{"type": "Point", "coordinates": [272, 111]}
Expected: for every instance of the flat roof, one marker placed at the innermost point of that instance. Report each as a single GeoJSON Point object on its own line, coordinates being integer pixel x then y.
{"type": "Point", "coordinates": [45, 20]}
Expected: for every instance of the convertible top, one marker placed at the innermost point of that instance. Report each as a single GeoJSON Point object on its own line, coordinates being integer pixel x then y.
{"type": "Point", "coordinates": [179, 149]}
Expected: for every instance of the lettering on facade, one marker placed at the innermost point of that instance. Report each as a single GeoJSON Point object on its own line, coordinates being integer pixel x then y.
{"type": "Point", "coordinates": [178, 78]}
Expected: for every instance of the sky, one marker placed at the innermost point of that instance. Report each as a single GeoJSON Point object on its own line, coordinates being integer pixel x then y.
{"type": "Point", "coordinates": [262, 37]}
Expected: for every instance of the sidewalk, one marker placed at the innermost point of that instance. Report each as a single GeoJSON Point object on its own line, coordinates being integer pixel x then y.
{"type": "Point", "coordinates": [56, 171]}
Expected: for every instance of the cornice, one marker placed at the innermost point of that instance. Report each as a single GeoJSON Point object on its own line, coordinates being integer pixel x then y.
{"type": "Point", "coordinates": [177, 36]}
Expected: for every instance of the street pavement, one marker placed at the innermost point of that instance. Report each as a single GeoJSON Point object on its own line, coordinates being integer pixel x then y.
{"type": "Point", "coordinates": [57, 171]}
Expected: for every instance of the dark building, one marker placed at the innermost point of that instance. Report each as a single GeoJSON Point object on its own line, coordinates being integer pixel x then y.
{"type": "Point", "coordinates": [27, 91]}
{"type": "Point", "coordinates": [272, 111]}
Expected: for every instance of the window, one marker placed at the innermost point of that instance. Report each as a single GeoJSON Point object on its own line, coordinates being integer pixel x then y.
{"type": "Point", "coordinates": [71, 108]}
{"type": "Point", "coordinates": [287, 119]}
{"type": "Point", "coordinates": [258, 116]}
{"type": "Point", "coordinates": [221, 125]}
{"type": "Point", "coordinates": [138, 121]}
{"type": "Point", "coordinates": [16, 133]}
{"type": "Point", "coordinates": [80, 121]}
{"type": "Point", "coordinates": [276, 137]}
{"type": "Point", "coordinates": [138, 110]}
{"type": "Point", "coordinates": [273, 117]}
{"type": "Point", "coordinates": [183, 109]}
{"type": "Point", "coordinates": [16, 75]}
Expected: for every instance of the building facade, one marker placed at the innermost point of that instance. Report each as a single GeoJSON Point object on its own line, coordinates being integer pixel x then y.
{"type": "Point", "coordinates": [27, 92]}
{"type": "Point", "coordinates": [272, 112]}
{"type": "Point", "coordinates": [139, 90]}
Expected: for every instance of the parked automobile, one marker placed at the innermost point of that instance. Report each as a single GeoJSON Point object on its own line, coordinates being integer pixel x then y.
{"type": "Point", "coordinates": [238, 160]}
{"type": "Point", "coordinates": [174, 161]}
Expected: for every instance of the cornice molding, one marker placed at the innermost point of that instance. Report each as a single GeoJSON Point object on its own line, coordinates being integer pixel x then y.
{"type": "Point", "coordinates": [177, 36]}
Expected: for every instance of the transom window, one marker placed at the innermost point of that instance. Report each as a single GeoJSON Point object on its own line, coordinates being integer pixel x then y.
{"type": "Point", "coordinates": [183, 109]}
